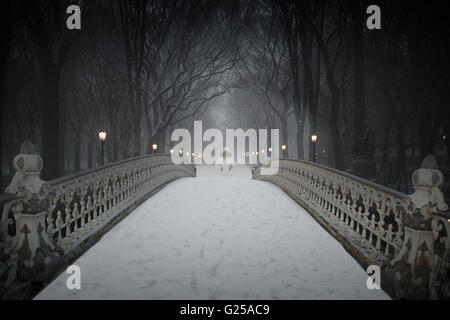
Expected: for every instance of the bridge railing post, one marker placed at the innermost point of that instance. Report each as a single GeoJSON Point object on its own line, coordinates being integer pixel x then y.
{"type": "Point", "coordinates": [32, 257]}
{"type": "Point", "coordinates": [420, 269]}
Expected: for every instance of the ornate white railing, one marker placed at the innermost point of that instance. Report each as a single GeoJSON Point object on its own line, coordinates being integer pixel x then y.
{"type": "Point", "coordinates": [80, 205]}
{"type": "Point", "coordinates": [45, 223]}
{"type": "Point", "coordinates": [365, 214]}
{"type": "Point", "coordinates": [382, 227]}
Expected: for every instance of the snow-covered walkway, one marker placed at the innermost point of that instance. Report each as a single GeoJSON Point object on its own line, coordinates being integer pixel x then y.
{"type": "Point", "coordinates": [216, 237]}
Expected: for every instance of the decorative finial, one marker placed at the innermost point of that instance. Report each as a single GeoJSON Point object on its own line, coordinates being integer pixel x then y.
{"type": "Point", "coordinates": [429, 162]}
{"type": "Point", "coordinates": [27, 148]}
{"type": "Point", "coordinates": [28, 166]}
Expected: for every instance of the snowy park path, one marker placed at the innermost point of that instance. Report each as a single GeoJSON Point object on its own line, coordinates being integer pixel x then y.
{"type": "Point", "coordinates": [217, 238]}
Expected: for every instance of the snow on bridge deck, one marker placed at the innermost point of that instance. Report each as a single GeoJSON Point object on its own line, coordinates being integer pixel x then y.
{"type": "Point", "coordinates": [216, 237]}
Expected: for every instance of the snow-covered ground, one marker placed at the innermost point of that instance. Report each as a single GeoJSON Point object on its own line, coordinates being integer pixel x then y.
{"type": "Point", "coordinates": [218, 236]}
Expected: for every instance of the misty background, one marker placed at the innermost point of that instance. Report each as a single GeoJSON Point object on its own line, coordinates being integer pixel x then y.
{"type": "Point", "coordinates": [139, 69]}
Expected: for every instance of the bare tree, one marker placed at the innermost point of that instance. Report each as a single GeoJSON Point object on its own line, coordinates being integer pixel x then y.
{"type": "Point", "coordinates": [264, 65]}
{"type": "Point", "coordinates": [51, 43]}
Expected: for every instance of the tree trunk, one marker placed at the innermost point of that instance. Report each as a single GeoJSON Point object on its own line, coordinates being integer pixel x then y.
{"type": "Point", "coordinates": [52, 137]}
{"type": "Point", "coordinates": [401, 155]}
{"type": "Point", "coordinates": [300, 154]}
{"type": "Point", "coordinates": [426, 141]}
{"type": "Point", "coordinates": [385, 151]}
{"type": "Point", "coordinates": [137, 118]}
{"type": "Point", "coordinates": [162, 140]}
{"type": "Point", "coordinates": [115, 147]}
{"type": "Point", "coordinates": [90, 155]}
{"type": "Point", "coordinates": [309, 98]}
{"type": "Point", "coordinates": [358, 53]}
{"type": "Point", "coordinates": [447, 142]}
{"type": "Point", "coordinates": [133, 22]}
{"type": "Point", "coordinates": [5, 34]}
{"type": "Point", "coordinates": [49, 64]}
{"type": "Point", "coordinates": [338, 147]}
{"type": "Point", "coordinates": [284, 134]}
{"type": "Point", "coordinates": [77, 155]}
{"type": "Point", "coordinates": [291, 29]}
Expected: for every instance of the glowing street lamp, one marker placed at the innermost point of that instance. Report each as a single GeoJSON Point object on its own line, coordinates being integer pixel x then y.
{"type": "Point", "coordinates": [171, 152]}
{"type": "Point", "coordinates": [314, 140]}
{"type": "Point", "coordinates": [154, 147]}
{"type": "Point", "coordinates": [102, 137]}
{"type": "Point", "coordinates": [181, 153]}
{"type": "Point", "coordinates": [283, 147]}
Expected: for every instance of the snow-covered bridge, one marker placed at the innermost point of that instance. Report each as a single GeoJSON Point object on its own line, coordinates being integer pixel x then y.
{"type": "Point", "coordinates": [210, 236]}
{"type": "Point", "coordinates": [214, 237]}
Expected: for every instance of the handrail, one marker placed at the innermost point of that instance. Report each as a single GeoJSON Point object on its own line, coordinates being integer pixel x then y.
{"type": "Point", "coordinates": [104, 167]}
{"type": "Point", "coordinates": [379, 226]}
{"type": "Point", "coordinates": [350, 176]}
{"type": "Point", "coordinates": [79, 203]}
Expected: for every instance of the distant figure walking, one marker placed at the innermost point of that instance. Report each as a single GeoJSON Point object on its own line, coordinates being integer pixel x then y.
{"type": "Point", "coordinates": [225, 168]}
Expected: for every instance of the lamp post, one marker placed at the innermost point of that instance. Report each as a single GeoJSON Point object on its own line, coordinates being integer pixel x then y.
{"type": "Point", "coordinates": [154, 147]}
{"type": "Point", "coordinates": [314, 140]}
{"type": "Point", "coordinates": [283, 147]}
{"type": "Point", "coordinates": [102, 137]}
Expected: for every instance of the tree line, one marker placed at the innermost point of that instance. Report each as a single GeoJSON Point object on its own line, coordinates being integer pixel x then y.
{"type": "Point", "coordinates": [140, 68]}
